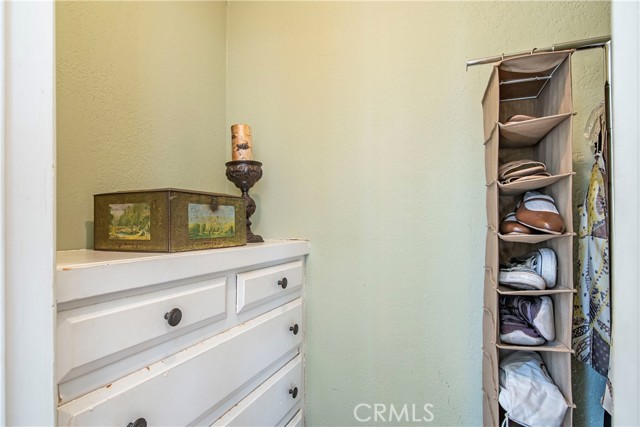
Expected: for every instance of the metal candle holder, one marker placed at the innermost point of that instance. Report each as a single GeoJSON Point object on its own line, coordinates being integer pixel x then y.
{"type": "Point", "coordinates": [244, 174]}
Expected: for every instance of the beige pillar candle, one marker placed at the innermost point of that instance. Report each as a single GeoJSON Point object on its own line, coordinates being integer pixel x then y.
{"type": "Point", "coordinates": [241, 144]}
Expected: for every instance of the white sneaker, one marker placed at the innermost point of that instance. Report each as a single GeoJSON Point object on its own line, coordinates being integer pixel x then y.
{"type": "Point", "coordinates": [519, 276]}
{"type": "Point", "coordinates": [543, 261]}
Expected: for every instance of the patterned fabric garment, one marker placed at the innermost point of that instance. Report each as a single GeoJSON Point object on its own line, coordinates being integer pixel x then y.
{"type": "Point", "coordinates": [592, 310]}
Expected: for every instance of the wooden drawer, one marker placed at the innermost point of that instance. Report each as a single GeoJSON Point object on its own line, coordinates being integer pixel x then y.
{"type": "Point", "coordinates": [271, 402]}
{"type": "Point", "coordinates": [92, 336]}
{"type": "Point", "coordinates": [258, 286]}
{"type": "Point", "coordinates": [180, 389]}
{"type": "Point", "coordinates": [296, 421]}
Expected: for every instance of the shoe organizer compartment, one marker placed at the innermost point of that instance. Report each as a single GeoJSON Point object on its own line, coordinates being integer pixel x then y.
{"type": "Point", "coordinates": [558, 364]}
{"type": "Point", "coordinates": [561, 245]}
{"type": "Point", "coordinates": [562, 305]}
{"type": "Point", "coordinates": [554, 150]}
{"type": "Point", "coordinates": [561, 194]}
{"type": "Point", "coordinates": [562, 341]}
{"type": "Point", "coordinates": [551, 151]}
{"type": "Point", "coordinates": [536, 85]}
{"type": "Point", "coordinates": [553, 136]}
{"type": "Point", "coordinates": [555, 364]}
{"type": "Point", "coordinates": [529, 132]}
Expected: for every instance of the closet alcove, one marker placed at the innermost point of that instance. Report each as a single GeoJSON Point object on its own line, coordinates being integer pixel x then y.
{"type": "Point", "coordinates": [549, 139]}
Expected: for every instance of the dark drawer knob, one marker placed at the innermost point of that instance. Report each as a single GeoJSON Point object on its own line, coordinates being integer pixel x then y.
{"type": "Point", "coordinates": [294, 392]}
{"type": "Point", "coordinates": [294, 329]}
{"type": "Point", "coordinates": [284, 282]}
{"type": "Point", "coordinates": [173, 318]}
{"type": "Point", "coordinates": [140, 422]}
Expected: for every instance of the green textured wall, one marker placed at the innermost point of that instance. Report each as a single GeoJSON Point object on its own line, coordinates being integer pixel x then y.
{"type": "Point", "coordinates": [370, 131]}
{"type": "Point", "coordinates": [140, 103]}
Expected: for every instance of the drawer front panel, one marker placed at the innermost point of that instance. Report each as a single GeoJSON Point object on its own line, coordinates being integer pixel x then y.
{"type": "Point", "coordinates": [87, 334]}
{"type": "Point", "coordinates": [296, 421]}
{"type": "Point", "coordinates": [271, 402]}
{"type": "Point", "coordinates": [195, 381]}
{"type": "Point", "coordinates": [255, 287]}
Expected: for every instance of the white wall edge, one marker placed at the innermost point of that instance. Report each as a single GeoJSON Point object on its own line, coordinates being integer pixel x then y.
{"type": "Point", "coordinates": [28, 212]}
{"type": "Point", "coordinates": [626, 202]}
{"type": "Point", "coordinates": [3, 420]}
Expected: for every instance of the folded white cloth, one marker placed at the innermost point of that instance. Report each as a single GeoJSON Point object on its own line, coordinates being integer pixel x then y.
{"type": "Point", "coordinates": [527, 392]}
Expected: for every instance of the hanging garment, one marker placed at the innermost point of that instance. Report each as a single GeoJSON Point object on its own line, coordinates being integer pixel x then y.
{"type": "Point", "coordinates": [592, 307]}
{"type": "Point", "coordinates": [607, 397]}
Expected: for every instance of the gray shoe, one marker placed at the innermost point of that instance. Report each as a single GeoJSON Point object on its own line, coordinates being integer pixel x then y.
{"type": "Point", "coordinates": [537, 311]}
{"type": "Point", "coordinates": [514, 329]}
{"type": "Point", "coordinates": [543, 261]}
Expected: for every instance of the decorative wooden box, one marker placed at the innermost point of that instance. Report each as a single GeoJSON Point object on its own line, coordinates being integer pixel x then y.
{"type": "Point", "coordinates": [168, 220]}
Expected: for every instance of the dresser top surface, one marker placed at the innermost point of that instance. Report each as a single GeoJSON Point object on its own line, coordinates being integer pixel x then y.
{"type": "Point", "coordinates": [87, 273]}
{"type": "Point", "coordinates": [84, 258]}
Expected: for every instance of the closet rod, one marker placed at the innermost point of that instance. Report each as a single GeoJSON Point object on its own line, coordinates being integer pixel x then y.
{"type": "Point", "coordinates": [576, 44]}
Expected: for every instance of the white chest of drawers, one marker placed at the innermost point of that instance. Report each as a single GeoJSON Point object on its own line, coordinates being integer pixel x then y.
{"type": "Point", "coordinates": [199, 338]}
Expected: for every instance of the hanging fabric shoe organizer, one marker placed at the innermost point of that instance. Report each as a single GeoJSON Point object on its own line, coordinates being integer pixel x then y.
{"type": "Point", "coordinates": [534, 91]}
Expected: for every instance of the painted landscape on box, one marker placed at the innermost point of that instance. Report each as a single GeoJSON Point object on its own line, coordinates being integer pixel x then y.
{"type": "Point", "coordinates": [205, 223]}
{"type": "Point", "coordinates": [130, 221]}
